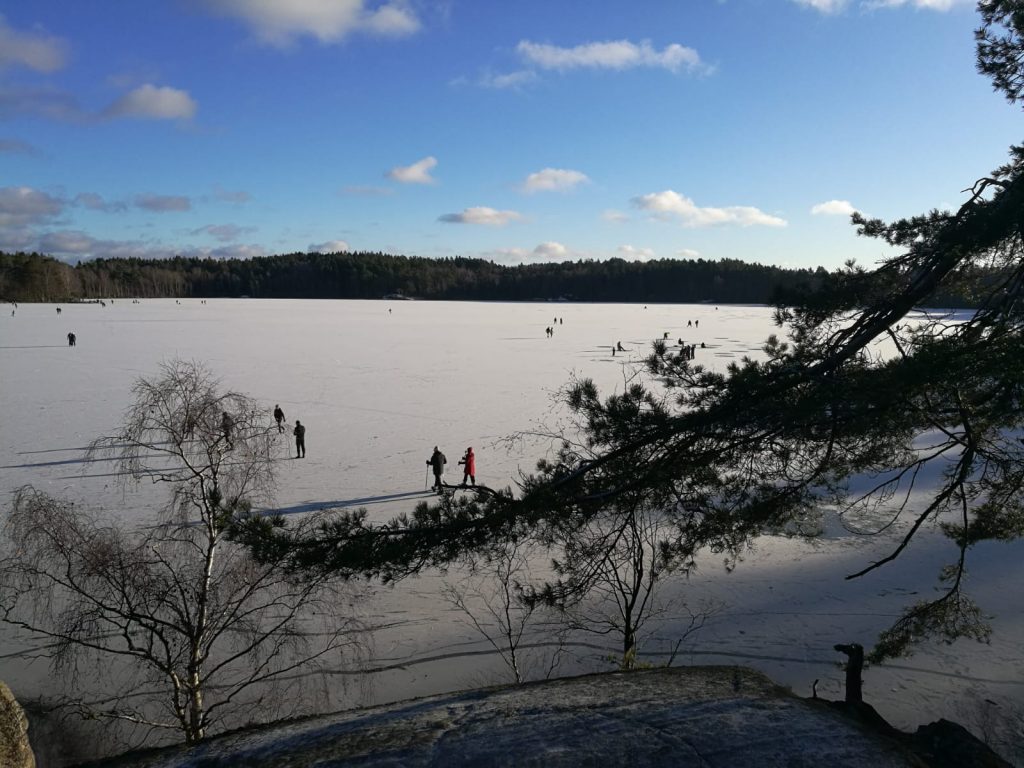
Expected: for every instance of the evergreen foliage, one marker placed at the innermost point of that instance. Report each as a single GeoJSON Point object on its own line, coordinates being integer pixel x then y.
{"type": "Point", "coordinates": [33, 277]}
{"type": "Point", "coordinates": [729, 456]}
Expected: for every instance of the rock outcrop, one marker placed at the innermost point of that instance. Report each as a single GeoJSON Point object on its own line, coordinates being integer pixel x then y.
{"type": "Point", "coordinates": [712, 717]}
{"type": "Point", "coordinates": [15, 751]}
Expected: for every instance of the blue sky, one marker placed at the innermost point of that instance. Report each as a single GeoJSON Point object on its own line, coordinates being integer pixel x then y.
{"type": "Point", "coordinates": [525, 131]}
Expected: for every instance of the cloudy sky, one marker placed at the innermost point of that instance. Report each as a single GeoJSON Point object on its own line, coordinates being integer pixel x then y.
{"type": "Point", "coordinates": [523, 131]}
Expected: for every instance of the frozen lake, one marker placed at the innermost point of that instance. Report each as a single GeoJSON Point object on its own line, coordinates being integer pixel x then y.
{"type": "Point", "coordinates": [378, 384]}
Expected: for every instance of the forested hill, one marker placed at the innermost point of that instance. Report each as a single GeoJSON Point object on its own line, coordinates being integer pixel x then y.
{"type": "Point", "coordinates": [34, 277]}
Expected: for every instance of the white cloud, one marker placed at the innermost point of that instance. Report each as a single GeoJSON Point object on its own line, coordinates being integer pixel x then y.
{"type": "Point", "coordinates": [45, 101]}
{"type": "Point", "coordinates": [417, 173]}
{"type": "Point", "coordinates": [73, 245]}
{"type": "Point", "coordinates": [616, 217]}
{"type": "Point", "coordinates": [516, 79]}
{"type": "Point", "coordinates": [17, 147]}
{"type": "Point", "coordinates": [327, 21]}
{"type": "Point", "coordinates": [16, 239]}
{"type": "Point", "coordinates": [613, 54]}
{"type": "Point", "coordinates": [154, 102]}
{"type": "Point", "coordinates": [163, 203]}
{"type": "Point", "coordinates": [22, 206]}
{"type": "Point", "coordinates": [224, 233]}
{"type": "Point", "coordinates": [551, 250]}
{"type": "Point", "coordinates": [552, 179]}
{"type": "Point", "coordinates": [929, 5]}
{"type": "Point", "coordinates": [95, 202]}
{"type": "Point", "coordinates": [393, 20]}
{"type": "Point", "coordinates": [481, 215]}
{"type": "Point", "coordinates": [687, 253]}
{"type": "Point", "coordinates": [38, 52]}
{"type": "Point", "coordinates": [670, 205]}
{"type": "Point", "coordinates": [836, 6]}
{"type": "Point", "coordinates": [834, 208]}
{"type": "Point", "coordinates": [825, 6]}
{"type": "Point", "coordinates": [231, 196]}
{"type": "Point", "coordinates": [66, 242]}
{"type": "Point", "coordinates": [632, 253]}
{"type": "Point", "coordinates": [234, 251]}
{"type": "Point", "coordinates": [331, 246]}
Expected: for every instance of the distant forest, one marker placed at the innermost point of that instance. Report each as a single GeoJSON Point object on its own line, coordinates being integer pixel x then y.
{"type": "Point", "coordinates": [29, 277]}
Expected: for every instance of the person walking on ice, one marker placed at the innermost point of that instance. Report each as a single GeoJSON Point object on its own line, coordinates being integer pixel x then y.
{"type": "Point", "coordinates": [279, 418]}
{"type": "Point", "coordinates": [72, 339]}
{"type": "Point", "coordinates": [469, 466]}
{"type": "Point", "coordinates": [300, 440]}
{"type": "Point", "coordinates": [437, 461]}
{"type": "Point", "coordinates": [226, 424]}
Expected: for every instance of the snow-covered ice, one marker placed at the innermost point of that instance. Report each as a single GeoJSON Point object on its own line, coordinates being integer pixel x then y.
{"type": "Point", "coordinates": [379, 383]}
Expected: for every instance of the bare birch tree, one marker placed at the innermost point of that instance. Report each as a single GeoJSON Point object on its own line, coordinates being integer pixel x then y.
{"type": "Point", "coordinates": [611, 576]}
{"type": "Point", "coordinates": [200, 628]}
{"type": "Point", "coordinates": [491, 599]}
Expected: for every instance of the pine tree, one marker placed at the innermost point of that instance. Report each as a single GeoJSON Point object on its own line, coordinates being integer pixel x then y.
{"type": "Point", "coordinates": [730, 456]}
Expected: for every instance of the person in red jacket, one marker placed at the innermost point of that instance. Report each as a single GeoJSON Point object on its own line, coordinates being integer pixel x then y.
{"type": "Point", "coordinates": [469, 470]}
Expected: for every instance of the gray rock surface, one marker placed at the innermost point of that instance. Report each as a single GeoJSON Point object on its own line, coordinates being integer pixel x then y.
{"type": "Point", "coordinates": [706, 717]}
{"type": "Point", "coordinates": [15, 751]}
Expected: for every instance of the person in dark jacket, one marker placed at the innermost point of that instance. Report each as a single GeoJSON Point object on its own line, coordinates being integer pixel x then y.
{"type": "Point", "coordinates": [437, 461]}
{"type": "Point", "coordinates": [469, 466]}
{"type": "Point", "coordinates": [226, 425]}
{"type": "Point", "coordinates": [300, 440]}
{"type": "Point", "coordinates": [279, 418]}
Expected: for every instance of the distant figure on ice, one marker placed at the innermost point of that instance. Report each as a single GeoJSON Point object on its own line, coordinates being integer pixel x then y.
{"type": "Point", "coordinates": [188, 427]}
{"type": "Point", "coordinates": [300, 440]}
{"type": "Point", "coordinates": [469, 466]}
{"type": "Point", "coordinates": [58, 310]}
{"type": "Point", "coordinates": [703, 345]}
{"type": "Point", "coordinates": [618, 346]}
{"type": "Point", "coordinates": [689, 324]}
{"type": "Point", "coordinates": [696, 323]}
{"type": "Point", "coordinates": [279, 418]}
{"type": "Point", "coordinates": [72, 339]}
{"type": "Point", "coordinates": [613, 350]}
{"type": "Point", "coordinates": [437, 462]}
{"type": "Point", "coordinates": [226, 425]}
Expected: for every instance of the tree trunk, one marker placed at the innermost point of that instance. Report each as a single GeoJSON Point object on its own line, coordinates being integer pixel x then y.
{"type": "Point", "coordinates": [854, 667]}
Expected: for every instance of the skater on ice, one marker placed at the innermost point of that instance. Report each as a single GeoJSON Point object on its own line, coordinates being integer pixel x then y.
{"type": "Point", "coordinates": [226, 425]}
{"type": "Point", "coordinates": [279, 418]}
{"type": "Point", "coordinates": [437, 461]}
{"type": "Point", "coordinates": [300, 440]}
{"type": "Point", "coordinates": [469, 466]}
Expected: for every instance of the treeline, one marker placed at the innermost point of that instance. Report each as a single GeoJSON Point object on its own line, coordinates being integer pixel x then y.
{"type": "Point", "coordinates": [32, 277]}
